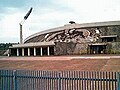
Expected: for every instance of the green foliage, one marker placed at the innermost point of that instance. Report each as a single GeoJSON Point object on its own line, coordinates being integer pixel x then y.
{"type": "Point", "coordinates": [115, 52]}
{"type": "Point", "coordinates": [5, 46]}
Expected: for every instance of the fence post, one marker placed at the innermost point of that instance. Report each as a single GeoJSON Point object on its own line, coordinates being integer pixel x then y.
{"type": "Point", "coordinates": [59, 81]}
{"type": "Point", "coordinates": [118, 81]}
{"type": "Point", "coordinates": [15, 79]}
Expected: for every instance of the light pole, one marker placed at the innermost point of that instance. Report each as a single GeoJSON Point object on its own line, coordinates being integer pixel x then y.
{"type": "Point", "coordinates": [22, 22]}
{"type": "Point", "coordinates": [21, 36]}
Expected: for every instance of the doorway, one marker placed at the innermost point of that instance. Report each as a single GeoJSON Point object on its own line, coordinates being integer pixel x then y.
{"type": "Point", "coordinates": [97, 49]}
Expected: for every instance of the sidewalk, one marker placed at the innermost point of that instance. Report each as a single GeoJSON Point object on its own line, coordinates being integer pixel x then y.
{"type": "Point", "coordinates": [69, 57]}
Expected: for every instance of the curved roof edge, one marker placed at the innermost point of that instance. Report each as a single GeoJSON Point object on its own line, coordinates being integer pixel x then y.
{"type": "Point", "coordinates": [69, 26]}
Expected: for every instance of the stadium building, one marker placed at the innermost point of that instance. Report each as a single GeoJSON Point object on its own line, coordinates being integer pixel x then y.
{"type": "Point", "coordinates": [72, 39]}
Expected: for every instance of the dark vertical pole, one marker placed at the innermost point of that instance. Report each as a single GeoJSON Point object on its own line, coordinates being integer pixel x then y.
{"type": "Point", "coordinates": [115, 81]}
{"type": "Point", "coordinates": [118, 81]}
{"type": "Point", "coordinates": [15, 79]}
{"type": "Point", "coordinates": [59, 81]}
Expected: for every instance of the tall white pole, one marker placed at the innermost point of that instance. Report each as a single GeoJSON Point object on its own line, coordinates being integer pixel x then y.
{"type": "Point", "coordinates": [21, 36]}
{"type": "Point", "coordinates": [21, 23]}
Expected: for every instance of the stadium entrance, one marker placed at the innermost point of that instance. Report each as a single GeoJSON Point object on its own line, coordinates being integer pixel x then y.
{"type": "Point", "coordinates": [97, 48]}
{"type": "Point", "coordinates": [32, 49]}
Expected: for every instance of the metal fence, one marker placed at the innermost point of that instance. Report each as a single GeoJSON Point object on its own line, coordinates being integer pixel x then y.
{"type": "Point", "coordinates": [55, 80]}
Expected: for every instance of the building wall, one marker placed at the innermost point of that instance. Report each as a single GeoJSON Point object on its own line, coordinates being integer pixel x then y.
{"type": "Point", "coordinates": [68, 42]}
{"type": "Point", "coordinates": [63, 48]}
{"type": "Point", "coordinates": [115, 48]}
{"type": "Point", "coordinates": [104, 31]}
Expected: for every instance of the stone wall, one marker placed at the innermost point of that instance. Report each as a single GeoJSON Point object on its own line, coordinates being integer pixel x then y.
{"type": "Point", "coordinates": [81, 48]}
{"type": "Point", "coordinates": [115, 48]}
{"type": "Point", "coordinates": [63, 48]}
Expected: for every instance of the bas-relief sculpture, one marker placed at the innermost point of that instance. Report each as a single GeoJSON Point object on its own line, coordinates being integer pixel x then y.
{"type": "Point", "coordinates": [74, 35]}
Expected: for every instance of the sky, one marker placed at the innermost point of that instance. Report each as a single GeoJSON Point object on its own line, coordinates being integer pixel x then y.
{"type": "Point", "coordinates": [48, 14]}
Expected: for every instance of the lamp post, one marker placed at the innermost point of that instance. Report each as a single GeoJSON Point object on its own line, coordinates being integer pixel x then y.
{"type": "Point", "coordinates": [22, 22]}
{"type": "Point", "coordinates": [21, 36]}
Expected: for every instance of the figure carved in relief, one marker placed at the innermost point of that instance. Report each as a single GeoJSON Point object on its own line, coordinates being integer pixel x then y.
{"type": "Point", "coordinates": [75, 35]}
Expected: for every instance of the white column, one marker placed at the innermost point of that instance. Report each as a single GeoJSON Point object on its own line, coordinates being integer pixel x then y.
{"type": "Point", "coordinates": [28, 51]}
{"type": "Point", "coordinates": [48, 51]}
{"type": "Point", "coordinates": [34, 51]}
{"type": "Point", "coordinates": [9, 52]}
{"type": "Point", "coordinates": [41, 51]}
{"type": "Point", "coordinates": [17, 52]}
{"type": "Point", "coordinates": [23, 52]}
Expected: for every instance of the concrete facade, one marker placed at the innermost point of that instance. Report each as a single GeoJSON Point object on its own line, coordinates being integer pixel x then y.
{"type": "Point", "coordinates": [72, 39]}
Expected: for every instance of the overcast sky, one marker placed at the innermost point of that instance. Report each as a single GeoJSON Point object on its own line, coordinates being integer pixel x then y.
{"type": "Point", "coordinates": [52, 13]}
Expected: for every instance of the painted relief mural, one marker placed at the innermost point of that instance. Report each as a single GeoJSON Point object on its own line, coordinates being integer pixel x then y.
{"type": "Point", "coordinates": [73, 35]}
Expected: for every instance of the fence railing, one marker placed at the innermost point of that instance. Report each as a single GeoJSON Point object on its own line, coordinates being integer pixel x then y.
{"type": "Point", "coordinates": [55, 80]}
